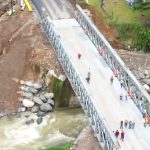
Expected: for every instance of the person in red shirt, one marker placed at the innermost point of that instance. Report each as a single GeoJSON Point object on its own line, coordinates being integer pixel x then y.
{"type": "Point", "coordinates": [122, 136]}
{"type": "Point", "coordinates": [117, 133]}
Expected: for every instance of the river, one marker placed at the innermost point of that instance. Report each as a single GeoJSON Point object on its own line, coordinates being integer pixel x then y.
{"type": "Point", "coordinates": [58, 127]}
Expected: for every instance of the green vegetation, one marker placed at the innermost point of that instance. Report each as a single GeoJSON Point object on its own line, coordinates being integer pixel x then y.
{"type": "Point", "coordinates": [120, 11]}
{"type": "Point", "coordinates": [134, 33]}
{"type": "Point", "coordinates": [57, 86]}
{"type": "Point", "coordinates": [66, 146]}
{"type": "Point", "coordinates": [133, 24]}
{"type": "Point", "coordinates": [62, 92]}
{"type": "Point", "coordinates": [141, 5]}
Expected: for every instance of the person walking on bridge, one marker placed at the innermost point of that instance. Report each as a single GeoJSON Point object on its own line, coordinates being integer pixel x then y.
{"type": "Point", "coordinates": [121, 124]}
{"type": "Point", "coordinates": [122, 136]}
{"type": "Point", "coordinates": [117, 133]}
{"type": "Point", "coordinates": [79, 55]}
{"type": "Point", "coordinates": [88, 76]}
{"type": "Point", "coordinates": [111, 79]}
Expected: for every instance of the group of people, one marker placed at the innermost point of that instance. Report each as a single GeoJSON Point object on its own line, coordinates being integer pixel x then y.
{"type": "Point", "coordinates": [124, 124]}
{"type": "Point", "coordinates": [130, 124]}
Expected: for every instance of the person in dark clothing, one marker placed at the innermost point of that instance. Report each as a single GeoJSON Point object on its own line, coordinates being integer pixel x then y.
{"type": "Point", "coordinates": [79, 55]}
{"type": "Point", "coordinates": [88, 76]}
{"type": "Point", "coordinates": [117, 133]}
{"type": "Point", "coordinates": [133, 125]}
{"type": "Point", "coordinates": [130, 124]}
{"type": "Point", "coordinates": [125, 123]}
{"type": "Point", "coordinates": [121, 124]}
{"type": "Point", "coordinates": [121, 83]}
{"type": "Point", "coordinates": [122, 136]}
{"type": "Point", "coordinates": [111, 79]}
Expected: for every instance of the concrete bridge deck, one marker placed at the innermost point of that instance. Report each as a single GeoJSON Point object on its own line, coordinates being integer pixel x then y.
{"type": "Point", "coordinates": [106, 96]}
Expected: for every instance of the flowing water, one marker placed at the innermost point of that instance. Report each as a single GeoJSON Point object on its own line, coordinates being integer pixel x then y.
{"type": "Point", "coordinates": [58, 127]}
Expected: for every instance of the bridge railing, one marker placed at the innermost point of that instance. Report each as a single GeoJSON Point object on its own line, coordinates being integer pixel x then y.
{"type": "Point", "coordinates": [104, 134]}
{"type": "Point", "coordinates": [121, 71]}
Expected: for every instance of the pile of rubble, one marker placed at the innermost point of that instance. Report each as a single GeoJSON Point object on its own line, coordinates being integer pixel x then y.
{"type": "Point", "coordinates": [144, 77]}
{"type": "Point", "coordinates": [34, 98]}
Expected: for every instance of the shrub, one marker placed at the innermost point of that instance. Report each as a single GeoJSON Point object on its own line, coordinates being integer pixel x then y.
{"type": "Point", "coordinates": [143, 40]}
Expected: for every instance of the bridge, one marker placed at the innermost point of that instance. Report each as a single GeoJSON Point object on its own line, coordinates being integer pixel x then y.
{"type": "Point", "coordinates": [72, 35]}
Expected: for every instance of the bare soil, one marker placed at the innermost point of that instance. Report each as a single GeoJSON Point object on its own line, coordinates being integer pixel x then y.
{"type": "Point", "coordinates": [86, 140]}
{"type": "Point", "coordinates": [21, 35]}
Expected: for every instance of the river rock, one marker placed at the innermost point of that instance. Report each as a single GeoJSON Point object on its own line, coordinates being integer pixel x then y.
{"type": "Point", "coordinates": [39, 120]}
{"type": "Point", "coordinates": [37, 86]}
{"type": "Point", "coordinates": [29, 121]}
{"type": "Point", "coordinates": [41, 113]}
{"type": "Point", "coordinates": [62, 77]}
{"type": "Point", "coordinates": [28, 89]}
{"type": "Point", "coordinates": [29, 83]}
{"type": "Point", "coordinates": [37, 100]}
{"type": "Point", "coordinates": [35, 109]}
{"type": "Point", "coordinates": [1, 115]}
{"type": "Point", "coordinates": [22, 82]}
{"type": "Point", "coordinates": [32, 90]}
{"type": "Point", "coordinates": [23, 109]}
{"type": "Point", "coordinates": [27, 103]}
{"type": "Point", "coordinates": [49, 95]}
{"type": "Point", "coordinates": [43, 98]}
{"type": "Point", "coordinates": [25, 94]}
{"type": "Point", "coordinates": [50, 101]}
{"type": "Point", "coordinates": [45, 107]}
{"type": "Point", "coordinates": [146, 72]}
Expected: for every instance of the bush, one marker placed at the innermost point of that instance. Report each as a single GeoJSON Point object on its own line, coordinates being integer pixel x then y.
{"type": "Point", "coordinates": [143, 40]}
{"type": "Point", "coordinates": [138, 35]}
{"type": "Point", "coordinates": [128, 31]}
{"type": "Point", "coordinates": [142, 5]}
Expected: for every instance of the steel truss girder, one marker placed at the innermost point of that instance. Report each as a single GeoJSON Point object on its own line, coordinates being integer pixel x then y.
{"type": "Point", "coordinates": [104, 134]}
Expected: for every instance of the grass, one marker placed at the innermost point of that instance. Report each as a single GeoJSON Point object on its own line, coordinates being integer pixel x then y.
{"type": "Point", "coordinates": [120, 11]}
{"type": "Point", "coordinates": [66, 146]}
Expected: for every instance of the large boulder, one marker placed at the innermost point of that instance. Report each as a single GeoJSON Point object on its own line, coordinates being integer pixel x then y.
{"type": "Point", "coordinates": [32, 90]}
{"type": "Point", "coordinates": [50, 101]}
{"type": "Point", "coordinates": [35, 109]}
{"type": "Point", "coordinates": [41, 114]}
{"type": "Point", "coordinates": [27, 103]}
{"type": "Point", "coordinates": [43, 98]}
{"type": "Point", "coordinates": [29, 121]}
{"type": "Point", "coordinates": [25, 94]}
{"type": "Point", "coordinates": [45, 107]}
{"type": "Point", "coordinates": [37, 100]}
{"type": "Point", "coordinates": [37, 85]}
{"type": "Point", "coordinates": [49, 95]}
